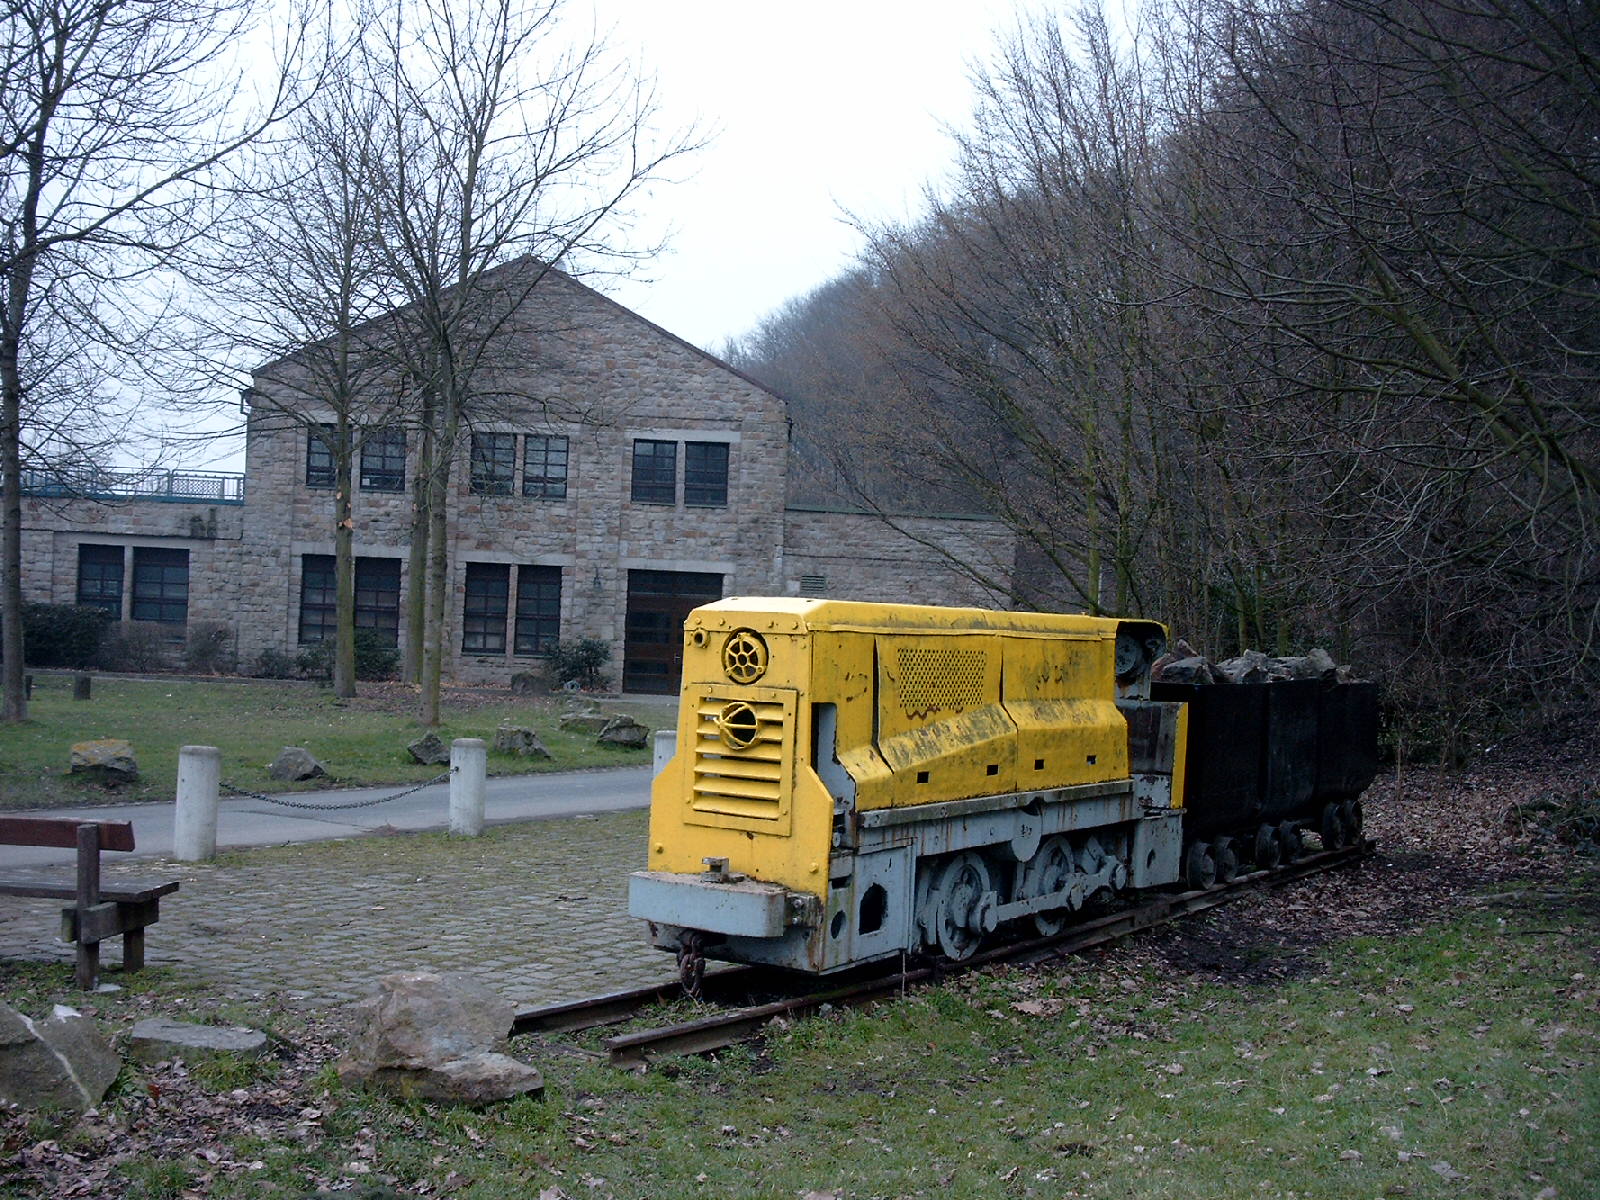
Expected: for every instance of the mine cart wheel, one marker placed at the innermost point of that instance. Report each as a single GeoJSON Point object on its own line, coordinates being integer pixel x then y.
{"type": "Point", "coordinates": [1289, 841]}
{"type": "Point", "coordinates": [1199, 868]}
{"type": "Point", "coordinates": [1354, 819]}
{"type": "Point", "coordinates": [957, 902]}
{"type": "Point", "coordinates": [1334, 833]}
{"type": "Point", "coordinates": [1268, 848]}
{"type": "Point", "coordinates": [691, 962]}
{"type": "Point", "coordinates": [1226, 859]}
{"type": "Point", "coordinates": [1050, 871]}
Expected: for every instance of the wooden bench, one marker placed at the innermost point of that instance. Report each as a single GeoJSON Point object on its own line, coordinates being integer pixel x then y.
{"type": "Point", "coordinates": [96, 913]}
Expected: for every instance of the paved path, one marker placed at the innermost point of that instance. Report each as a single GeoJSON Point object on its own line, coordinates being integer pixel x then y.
{"type": "Point", "coordinates": [534, 908]}
{"type": "Point", "coordinates": [247, 822]}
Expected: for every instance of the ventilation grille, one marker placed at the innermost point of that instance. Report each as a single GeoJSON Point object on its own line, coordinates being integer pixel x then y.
{"type": "Point", "coordinates": [745, 782]}
{"type": "Point", "coordinates": [813, 585]}
{"type": "Point", "coordinates": [936, 680]}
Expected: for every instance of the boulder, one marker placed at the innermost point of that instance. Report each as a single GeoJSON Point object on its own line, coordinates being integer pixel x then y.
{"type": "Point", "coordinates": [295, 763]}
{"type": "Point", "coordinates": [108, 759]}
{"type": "Point", "coordinates": [1186, 670]}
{"type": "Point", "coordinates": [62, 1062]}
{"type": "Point", "coordinates": [624, 731]}
{"type": "Point", "coordinates": [519, 740]}
{"type": "Point", "coordinates": [1250, 667]}
{"type": "Point", "coordinates": [430, 749]}
{"type": "Point", "coordinates": [437, 1037]}
{"type": "Point", "coordinates": [589, 720]}
{"type": "Point", "coordinates": [527, 683]}
{"type": "Point", "coordinates": [158, 1038]}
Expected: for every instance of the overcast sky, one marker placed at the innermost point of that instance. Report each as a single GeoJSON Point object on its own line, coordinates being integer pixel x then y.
{"type": "Point", "coordinates": [821, 108]}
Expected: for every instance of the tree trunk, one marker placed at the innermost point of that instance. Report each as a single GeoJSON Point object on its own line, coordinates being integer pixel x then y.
{"type": "Point", "coordinates": [417, 558]}
{"type": "Point", "coordinates": [15, 701]}
{"type": "Point", "coordinates": [438, 595]}
{"type": "Point", "coordinates": [344, 566]}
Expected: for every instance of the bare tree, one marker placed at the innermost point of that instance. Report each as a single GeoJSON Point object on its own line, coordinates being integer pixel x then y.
{"type": "Point", "coordinates": [506, 151]}
{"type": "Point", "coordinates": [111, 127]}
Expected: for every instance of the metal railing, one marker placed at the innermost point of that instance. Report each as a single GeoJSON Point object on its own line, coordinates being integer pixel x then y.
{"type": "Point", "coordinates": [112, 483]}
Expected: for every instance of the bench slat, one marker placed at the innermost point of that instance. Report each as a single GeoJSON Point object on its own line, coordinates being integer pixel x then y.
{"type": "Point", "coordinates": [62, 832]}
{"type": "Point", "coordinates": [132, 893]}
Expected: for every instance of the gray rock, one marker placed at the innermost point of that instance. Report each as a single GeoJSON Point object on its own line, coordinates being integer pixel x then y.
{"type": "Point", "coordinates": [624, 731]}
{"type": "Point", "coordinates": [439, 1037]}
{"type": "Point", "coordinates": [1186, 670]}
{"type": "Point", "coordinates": [430, 749]}
{"type": "Point", "coordinates": [590, 720]}
{"type": "Point", "coordinates": [109, 759]}
{"type": "Point", "coordinates": [481, 1078]}
{"type": "Point", "coordinates": [527, 683]}
{"type": "Point", "coordinates": [295, 763]}
{"type": "Point", "coordinates": [159, 1038]}
{"type": "Point", "coordinates": [1250, 667]}
{"type": "Point", "coordinates": [61, 1062]}
{"type": "Point", "coordinates": [519, 740]}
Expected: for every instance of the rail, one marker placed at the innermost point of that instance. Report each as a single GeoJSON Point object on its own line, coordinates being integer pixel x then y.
{"type": "Point", "coordinates": [113, 483]}
{"type": "Point", "coordinates": [741, 1023]}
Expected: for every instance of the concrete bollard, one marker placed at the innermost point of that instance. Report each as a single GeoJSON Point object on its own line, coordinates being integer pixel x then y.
{"type": "Point", "coordinates": [81, 685]}
{"type": "Point", "coordinates": [194, 821]}
{"type": "Point", "coordinates": [469, 765]}
{"type": "Point", "coordinates": [666, 745]}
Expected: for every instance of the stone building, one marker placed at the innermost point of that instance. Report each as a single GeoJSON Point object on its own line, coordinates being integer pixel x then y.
{"type": "Point", "coordinates": [621, 478]}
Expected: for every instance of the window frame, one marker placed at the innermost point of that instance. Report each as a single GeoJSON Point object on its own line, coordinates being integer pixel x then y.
{"type": "Point", "coordinates": [536, 627]}
{"type": "Point", "coordinates": [156, 564]}
{"type": "Point", "coordinates": [492, 464]}
{"type": "Point", "coordinates": [545, 482]}
{"type": "Point", "coordinates": [484, 610]}
{"type": "Point", "coordinates": [706, 486]}
{"type": "Point", "coordinates": [655, 472]}
{"type": "Point", "coordinates": [323, 568]}
{"type": "Point", "coordinates": [100, 596]}
{"type": "Point", "coordinates": [322, 469]}
{"type": "Point", "coordinates": [383, 459]}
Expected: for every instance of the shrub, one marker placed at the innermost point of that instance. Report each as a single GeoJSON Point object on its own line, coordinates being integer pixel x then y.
{"type": "Point", "coordinates": [137, 646]}
{"type": "Point", "coordinates": [375, 658]}
{"type": "Point", "coordinates": [63, 635]}
{"type": "Point", "coordinates": [209, 648]}
{"type": "Point", "coordinates": [579, 662]}
{"type": "Point", "coordinates": [273, 663]}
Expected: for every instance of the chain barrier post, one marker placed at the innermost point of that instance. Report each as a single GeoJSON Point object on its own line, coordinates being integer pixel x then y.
{"type": "Point", "coordinates": [665, 746]}
{"type": "Point", "coordinates": [469, 765]}
{"type": "Point", "coordinates": [194, 818]}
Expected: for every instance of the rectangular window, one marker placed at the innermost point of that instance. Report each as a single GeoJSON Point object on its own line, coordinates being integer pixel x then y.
{"type": "Point", "coordinates": [655, 472]}
{"type": "Point", "coordinates": [160, 585]}
{"type": "Point", "coordinates": [538, 609]}
{"type": "Point", "coordinates": [100, 578]}
{"type": "Point", "coordinates": [320, 471]}
{"type": "Point", "coordinates": [378, 597]}
{"type": "Point", "coordinates": [494, 459]}
{"type": "Point", "coordinates": [544, 467]}
{"type": "Point", "coordinates": [383, 460]}
{"type": "Point", "coordinates": [705, 474]}
{"type": "Point", "coordinates": [318, 598]}
{"type": "Point", "coordinates": [483, 612]}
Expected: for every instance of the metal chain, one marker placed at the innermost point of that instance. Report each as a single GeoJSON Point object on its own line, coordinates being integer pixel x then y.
{"type": "Point", "coordinates": [239, 791]}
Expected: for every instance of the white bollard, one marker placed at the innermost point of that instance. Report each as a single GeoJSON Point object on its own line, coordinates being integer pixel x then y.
{"type": "Point", "coordinates": [469, 765]}
{"type": "Point", "coordinates": [666, 745]}
{"type": "Point", "coordinates": [194, 820]}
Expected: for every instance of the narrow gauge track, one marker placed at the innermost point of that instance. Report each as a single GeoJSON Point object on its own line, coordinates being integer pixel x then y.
{"type": "Point", "coordinates": [796, 995]}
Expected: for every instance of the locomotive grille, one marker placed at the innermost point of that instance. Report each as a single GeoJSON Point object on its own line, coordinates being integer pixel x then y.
{"type": "Point", "coordinates": [741, 754]}
{"type": "Point", "coordinates": [935, 680]}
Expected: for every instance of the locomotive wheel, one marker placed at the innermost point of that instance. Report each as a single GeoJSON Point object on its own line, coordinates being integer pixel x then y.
{"type": "Point", "coordinates": [1268, 848]}
{"type": "Point", "coordinates": [1226, 859]}
{"type": "Point", "coordinates": [958, 905]}
{"type": "Point", "coordinates": [1334, 833]}
{"type": "Point", "coordinates": [1289, 841]}
{"type": "Point", "coordinates": [1353, 817]}
{"type": "Point", "coordinates": [1050, 871]}
{"type": "Point", "coordinates": [1199, 868]}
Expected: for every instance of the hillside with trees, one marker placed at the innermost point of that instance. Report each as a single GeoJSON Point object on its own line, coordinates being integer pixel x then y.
{"type": "Point", "coordinates": [1275, 321]}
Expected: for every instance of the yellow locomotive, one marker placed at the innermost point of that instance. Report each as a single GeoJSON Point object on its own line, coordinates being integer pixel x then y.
{"type": "Point", "coordinates": [852, 781]}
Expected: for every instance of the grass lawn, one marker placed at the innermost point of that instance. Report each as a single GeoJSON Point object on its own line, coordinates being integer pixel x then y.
{"type": "Point", "coordinates": [360, 741]}
{"type": "Point", "coordinates": [1458, 1062]}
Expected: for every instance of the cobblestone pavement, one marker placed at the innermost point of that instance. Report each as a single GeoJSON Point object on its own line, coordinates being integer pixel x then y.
{"type": "Point", "coordinates": [536, 910]}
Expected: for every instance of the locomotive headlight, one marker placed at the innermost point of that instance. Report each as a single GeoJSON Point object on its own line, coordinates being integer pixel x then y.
{"type": "Point", "coordinates": [744, 656]}
{"type": "Point", "coordinates": [737, 725]}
